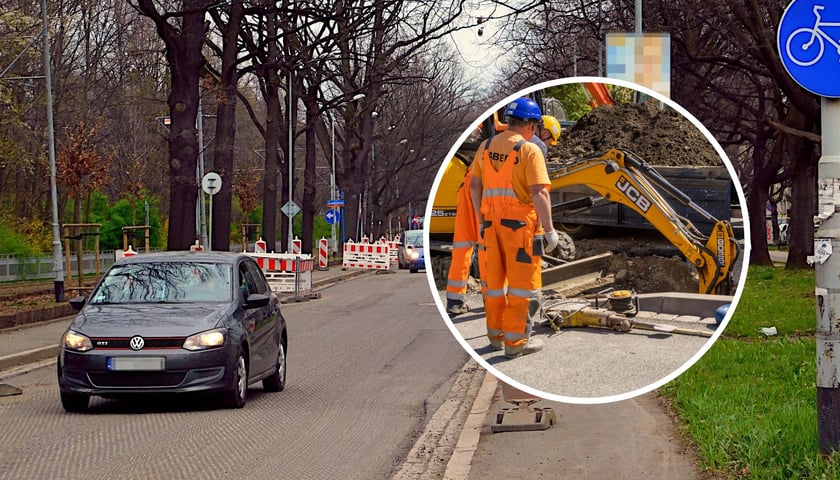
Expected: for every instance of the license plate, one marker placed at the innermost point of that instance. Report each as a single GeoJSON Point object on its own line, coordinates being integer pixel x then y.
{"type": "Point", "coordinates": [118, 364]}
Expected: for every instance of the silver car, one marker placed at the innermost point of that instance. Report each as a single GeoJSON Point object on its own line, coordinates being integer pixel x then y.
{"type": "Point", "coordinates": [175, 322]}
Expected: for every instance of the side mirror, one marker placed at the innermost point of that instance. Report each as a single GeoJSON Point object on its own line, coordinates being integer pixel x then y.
{"type": "Point", "coordinates": [77, 302]}
{"type": "Point", "coordinates": [256, 300]}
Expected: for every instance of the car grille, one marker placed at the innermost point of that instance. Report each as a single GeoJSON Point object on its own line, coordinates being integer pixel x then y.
{"type": "Point", "coordinates": [149, 342]}
{"type": "Point", "coordinates": [136, 379]}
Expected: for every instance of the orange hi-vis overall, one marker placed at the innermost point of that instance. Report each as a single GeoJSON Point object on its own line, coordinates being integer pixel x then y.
{"type": "Point", "coordinates": [513, 248]}
{"type": "Point", "coordinates": [463, 242]}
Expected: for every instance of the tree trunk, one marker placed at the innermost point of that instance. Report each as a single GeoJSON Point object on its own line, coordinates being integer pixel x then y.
{"type": "Point", "coordinates": [226, 130]}
{"type": "Point", "coordinates": [310, 102]}
{"type": "Point", "coordinates": [273, 125]}
{"type": "Point", "coordinates": [183, 53]}
{"type": "Point", "coordinates": [757, 195]}
{"type": "Point", "coordinates": [803, 201]}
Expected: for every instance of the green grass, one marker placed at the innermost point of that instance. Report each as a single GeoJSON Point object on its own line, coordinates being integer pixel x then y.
{"type": "Point", "coordinates": [749, 405]}
{"type": "Point", "coordinates": [775, 297]}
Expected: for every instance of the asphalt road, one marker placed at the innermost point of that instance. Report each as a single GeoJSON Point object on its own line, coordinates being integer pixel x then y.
{"type": "Point", "coordinates": [368, 363]}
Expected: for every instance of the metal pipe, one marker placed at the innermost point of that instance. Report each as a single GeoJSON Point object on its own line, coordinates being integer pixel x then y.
{"type": "Point", "coordinates": [827, 241]}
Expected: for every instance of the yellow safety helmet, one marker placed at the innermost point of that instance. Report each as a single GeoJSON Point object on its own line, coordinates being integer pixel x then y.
{"type": "Point", "coordinates": [553, 126]}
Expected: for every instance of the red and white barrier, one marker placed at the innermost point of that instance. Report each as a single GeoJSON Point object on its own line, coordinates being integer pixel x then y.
{"type": "Point", "coordinates": [323, 254]}
{"type": "Point", "coordinates": [296, 246]}
{"type": "Point", "coordinates": [368, 256]}
{"type": "Point", "coordinates": [287, 272]}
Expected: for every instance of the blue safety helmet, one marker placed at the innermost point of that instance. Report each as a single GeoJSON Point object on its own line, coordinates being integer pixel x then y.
{"type": "Point", "coordinates": [524, 108]}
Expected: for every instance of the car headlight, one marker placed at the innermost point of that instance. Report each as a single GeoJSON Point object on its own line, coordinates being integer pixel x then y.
{"type": "Point", "coordinates": [415, 255]}
{"type": "Point", "coordinates": [77, 342]}
{"type": "Point", "coordinates": [205, 340]}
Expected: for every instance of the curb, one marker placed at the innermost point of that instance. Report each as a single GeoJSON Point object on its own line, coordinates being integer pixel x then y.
{"type": "Point", "coordinates": [34, 355]}
{"type": "Point", "coordinates": [29, 356]}
{"type": "Point", "coordinates": [458, 467]}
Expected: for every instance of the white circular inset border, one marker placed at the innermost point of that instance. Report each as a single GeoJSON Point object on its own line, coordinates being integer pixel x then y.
{"type": "Point", "coordinates": [745, 252]}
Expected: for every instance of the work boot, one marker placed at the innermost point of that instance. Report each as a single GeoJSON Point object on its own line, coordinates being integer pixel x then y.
{"type": "Point", "coordinates": [531, 346]}
{"type": "Point", "coordinates": [497, 344]}
{"type": "Point", "coordinates": [457, 309]}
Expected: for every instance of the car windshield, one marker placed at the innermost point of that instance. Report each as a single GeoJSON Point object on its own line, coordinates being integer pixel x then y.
{"type": "Point", "coordinates": [414, 238]}
{"type": "Point", "coordinates": [168, 282]}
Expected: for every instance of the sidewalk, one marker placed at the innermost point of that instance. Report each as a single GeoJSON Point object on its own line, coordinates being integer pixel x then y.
{"type": "Point", "coordinates": [633, 438]}
{"type": "Point", "coordinates": [33, 343]}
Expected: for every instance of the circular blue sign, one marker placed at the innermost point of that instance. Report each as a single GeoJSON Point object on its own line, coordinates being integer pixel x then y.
{"type": "Point", "coordinates": [809, 45]}
{"type": "Point", "coordinates": [333, 216]}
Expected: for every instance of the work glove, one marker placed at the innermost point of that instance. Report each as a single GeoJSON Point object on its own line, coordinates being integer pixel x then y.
{"type": "Point", "coordinates": [550, 240]}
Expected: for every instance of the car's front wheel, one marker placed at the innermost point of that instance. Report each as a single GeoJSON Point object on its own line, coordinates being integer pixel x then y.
{"type": "Point", "coordinates": [276, 382]}
{"type": "Point", "coordinates": [235, 396]}
{"type": "Point", "coordinates": [74, 402]}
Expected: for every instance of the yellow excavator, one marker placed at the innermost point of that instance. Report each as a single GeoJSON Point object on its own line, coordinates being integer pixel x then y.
{"type": "Point", "coordinates": [617, 176]}
{"type": "Point", "coordinates": [620, 176]}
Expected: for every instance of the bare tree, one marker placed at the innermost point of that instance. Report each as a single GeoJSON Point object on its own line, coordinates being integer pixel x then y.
{"type": "Point", "coordinates": [183, 33]}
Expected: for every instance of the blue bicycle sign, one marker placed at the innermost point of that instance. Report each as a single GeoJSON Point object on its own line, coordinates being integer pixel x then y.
{"type": "Point", "coordinates": [805, 29]}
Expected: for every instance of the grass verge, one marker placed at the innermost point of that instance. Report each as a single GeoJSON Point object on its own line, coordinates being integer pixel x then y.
{"type": "Point", "coordinates": [749, 405]}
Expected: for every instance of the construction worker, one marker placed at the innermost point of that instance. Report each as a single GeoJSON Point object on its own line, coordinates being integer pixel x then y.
{"type": "Point", "coordinates": [465, 236]}
{"type": "Point", "coordinates": [510, 183]}
{"type": "Point", "coordinates": [549, 131]}
{"type": "Point", "coordinates": [464, 241]}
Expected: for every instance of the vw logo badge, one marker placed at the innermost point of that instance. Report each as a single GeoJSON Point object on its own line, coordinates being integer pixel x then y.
{"type": "Point", "coordinates": [136, 343]}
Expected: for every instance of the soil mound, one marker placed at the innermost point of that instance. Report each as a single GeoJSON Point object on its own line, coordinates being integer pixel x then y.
{"type": "Point", "coordinates": [660, 137]}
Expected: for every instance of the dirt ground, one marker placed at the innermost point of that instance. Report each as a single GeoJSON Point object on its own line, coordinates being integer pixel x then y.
{"type": "Point", "coordinates": [660, 137]}
{"type": "Point", "coordinates": [642, 260]}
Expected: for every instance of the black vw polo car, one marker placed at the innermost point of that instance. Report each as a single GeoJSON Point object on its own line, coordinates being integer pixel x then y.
{"type": "Point", "coordinates": [175, 322]}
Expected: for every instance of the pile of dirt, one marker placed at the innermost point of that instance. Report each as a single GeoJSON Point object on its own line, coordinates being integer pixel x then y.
{"type": "Point", "coordinates": [660, 137]}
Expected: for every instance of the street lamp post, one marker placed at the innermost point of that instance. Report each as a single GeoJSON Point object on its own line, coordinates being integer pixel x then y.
{"type": "Point", "coordinates": [289, 158]}
{"type": "Point", "coordinates": [58, 262]}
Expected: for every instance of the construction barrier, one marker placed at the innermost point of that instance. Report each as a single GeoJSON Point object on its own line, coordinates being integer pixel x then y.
{"type": "Point", "coordinates": [367, 256]}
{"type": "Point", "coordinates": [393, 252]}
{"type": "Point", "coordinates": [287, 273]}
{"type": "Point", "coordinates": [296, 246]}
{"type": "Point", "coordinates": [323, 254]}
{"type": "Point", "coordinates": [260, 246]}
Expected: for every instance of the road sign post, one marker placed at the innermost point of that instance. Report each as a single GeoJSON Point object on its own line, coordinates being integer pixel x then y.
{"type": "Point", "coordinates": [211, 184]}
{"type": "Point", "coordinates": [805, 28]}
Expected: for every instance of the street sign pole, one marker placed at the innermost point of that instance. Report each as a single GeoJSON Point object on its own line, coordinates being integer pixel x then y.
{"type": "Point", "coordinates": [815, 68]}
{"type": "Point", "coordinates": [826, 240]}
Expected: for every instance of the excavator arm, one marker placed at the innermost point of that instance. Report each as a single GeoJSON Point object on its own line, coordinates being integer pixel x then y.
{"type": "Point", "coordinates": [619, 176]}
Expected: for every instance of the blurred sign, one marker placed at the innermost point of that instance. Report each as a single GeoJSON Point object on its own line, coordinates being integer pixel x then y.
{"type": "Point", "coordinates": [644, 59]}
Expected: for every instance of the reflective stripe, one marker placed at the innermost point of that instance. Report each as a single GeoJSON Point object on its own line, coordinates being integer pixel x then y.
{"type": "Point", "coordinates": [455, 296]}
{"type": "Point", "coordinates": [456, 283]}
{"type": "Point", "coordinates": [499, 192]}
{"type": "Point", "coordinates": [521, 292]}
{"type": "Point", "coordinates": [495, 293]}
{"type": "Point", "coordinates": [494, 333]}
{"type": "Point", "coordinates": [512, 337]}
{"type": "Point", "coordinates": [462, 244]}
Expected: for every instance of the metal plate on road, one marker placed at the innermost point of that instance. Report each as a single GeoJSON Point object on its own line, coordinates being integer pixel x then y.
{"type": "Point", "coordinates": [133, 364]}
